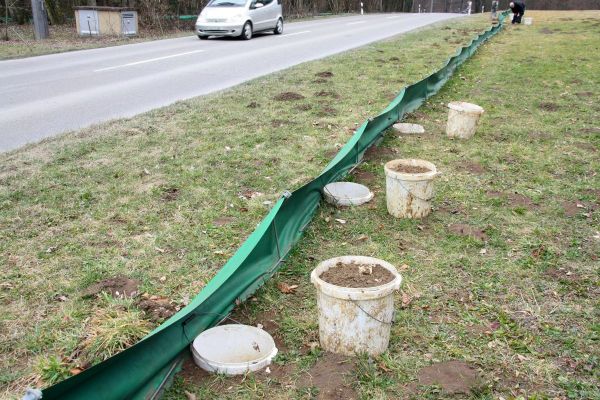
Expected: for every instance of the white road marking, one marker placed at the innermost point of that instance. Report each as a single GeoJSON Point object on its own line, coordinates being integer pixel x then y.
{"type": "Point", "coordinates": [148, 61]}
{"type": "Point", "coordinates": [295, 33]}
{"type": "Point", "coordinates": [394, 17]}
{"type": "Point", "coordinates": [356, 23]}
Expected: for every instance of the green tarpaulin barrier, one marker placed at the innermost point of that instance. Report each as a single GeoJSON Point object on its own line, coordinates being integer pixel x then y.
{"type": "Point", "coordinates": [144, 370]}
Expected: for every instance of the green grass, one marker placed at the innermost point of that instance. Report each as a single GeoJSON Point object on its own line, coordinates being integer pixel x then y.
{"type": "Point", "coordinates": [524, 312]}
{"type": "Point", "coordinates": [64, 38]}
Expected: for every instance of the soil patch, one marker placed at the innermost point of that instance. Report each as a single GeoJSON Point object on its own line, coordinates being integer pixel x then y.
{"type": "Point", "coordinates": [561, 274]}
{"type": "Point", "coordinates": [157, 308]}
{"type": "Point", "coordinates": [549, 106]}
{"type": "Point", "coordinates": [324, 74]}
{"type": "Point", "coordinates": [467, 230]}
{"type": "Point", "coordinates": [379, 153]}
{"type": "Point", "coordinates": [572, 208]}
{"type": "Point", "coordinates": [328, 375]}
{"type": "Point", "coordinates": [304, 107]}
{"type": "Point", "coordinates": [288, 96]}
{"type": "Point", "coordinates": [253, 105]}
{"type": "Point", "coordinates": [170, 194]}
{"type": "Point", "coordinates": [514, 199]}
{"type": "Point", "coordinates": [590, 130]}
{"type": "Point", "coordinates": [357, 275]}
{"type": "Point", "coordinates": [223, 221]}
{"type": "Point", "coordinates": [584, 94]}
{"type": "Point", "coordinates": [364, 177]}
{"type": "Point", "coordinates": [546, 31]}
{"type": "Point", "coordinates": [394, 59]}
{"type": "Point", "coordinates": [118, 286]}
{"type": "Point", "coordinates": [410, 169]}
{"type": "Point", "coordinates": [327, 93]}
{"type": "Point", "coordinates": [320, 80]}
{"type": "Point", "coordinates": [327, 111]}
{"type": "Point", "coordinates": [452, 376]}
{"type": "Point", "coordinates": [473, 167]}
{"type": "Point", "coordinates": [278, 123]}
{"type": "Point", "coordinates": [586, 146]}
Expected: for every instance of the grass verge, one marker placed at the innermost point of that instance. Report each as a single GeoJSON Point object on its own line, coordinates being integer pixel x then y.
{"type": "Point", "coordinates": [64, 38]}
{"type": "Point", "coordinates": [500, 298]}
{"type": "Point", "coordinates": [146, 210]}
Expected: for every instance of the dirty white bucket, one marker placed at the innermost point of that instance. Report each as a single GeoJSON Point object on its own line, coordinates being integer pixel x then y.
{"type": "Point", "coordinates": [528, 20]}
{"type": "Point", "coordinates": [347, 194]}
{"type": "Point", "coordinates": [233, 349]}
{"type": "Point", "coordinates": [463, 118]}
{"type": "Point", "coordinates": [355, 320]}
{"type": "Point", "coordinates": [408, 195]}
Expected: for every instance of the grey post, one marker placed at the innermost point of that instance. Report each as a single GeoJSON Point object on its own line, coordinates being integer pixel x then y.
{"type": "Point", "coordinates": [40, 20]}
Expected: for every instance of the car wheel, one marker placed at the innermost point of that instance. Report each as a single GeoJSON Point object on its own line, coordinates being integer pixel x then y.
{"type": "Point", "coordinates": [247, 31]}
{"type": "Point", "coordinates": [202, 37]}
{"type": "Point", "coordinates": [279, 27]}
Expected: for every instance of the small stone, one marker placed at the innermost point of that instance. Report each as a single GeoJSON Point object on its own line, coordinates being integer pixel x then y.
{"type": "Point", "coordinates": [409, 129]}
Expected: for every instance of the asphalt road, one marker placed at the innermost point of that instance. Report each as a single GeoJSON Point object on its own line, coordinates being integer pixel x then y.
{"type": "Point", "coordinates": [47, 95]}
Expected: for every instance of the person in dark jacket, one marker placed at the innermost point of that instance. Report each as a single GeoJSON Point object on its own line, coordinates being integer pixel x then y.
{"type": "Point", "coordinates": [518, 9]}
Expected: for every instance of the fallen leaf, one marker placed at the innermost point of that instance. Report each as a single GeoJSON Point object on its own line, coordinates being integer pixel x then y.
{"type": "Point", "coordinates": [341, 221]}
{"type": "Point", "coordinates": [267, 370]}
{"type": "Point", "coordinates": [383, 367]}
{"type": "Point", "coordinates": [406, 299]}
{"type": "Point", "coordinates": [403, 267]}
{"type": "Point", "coordinates": [190, 396]}
{"type": "Point", "coordinates": [76, 371]}
{"type": "Point", "coordinates": [162, 278]}
{"type": "Point", "coordinates": [285, 288]}
{"type": "Point", "coordinates": [362, 238]}
{"type": "Point", "coordinates": [482, 251]}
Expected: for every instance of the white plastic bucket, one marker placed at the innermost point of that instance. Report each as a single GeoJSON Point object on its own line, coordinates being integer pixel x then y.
{"type": "Point", "coordinates": [233, 349]}
{"type": "Point", "coordinates": [408, 195]}
{"type": "Point", "coordinates": [528, 20]}
{"type": "Point", "coordinates": [463, 118]}
{"type": "Point", "coordinates": [347, 194]}
{"type": "Point", "coordinates": [355, 320]}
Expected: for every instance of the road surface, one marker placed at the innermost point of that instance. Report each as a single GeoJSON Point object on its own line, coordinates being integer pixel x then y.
{"type": "Point", "coordinates": [47, 95]}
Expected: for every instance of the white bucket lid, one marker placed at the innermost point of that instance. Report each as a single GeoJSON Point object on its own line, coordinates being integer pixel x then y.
{"type": "Point", "coordinates": [347, 194]}
{"type": "Point", "coordinates": [463, 106]}
{"type": "Point", "coordinates": [233, 349]}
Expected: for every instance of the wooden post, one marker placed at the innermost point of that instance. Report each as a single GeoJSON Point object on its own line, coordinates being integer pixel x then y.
{"type": "Point", "coordinates": [40, 20]}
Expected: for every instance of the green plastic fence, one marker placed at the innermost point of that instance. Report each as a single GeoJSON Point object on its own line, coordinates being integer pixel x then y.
{"type": "Point", "coordinates": [144, 370]}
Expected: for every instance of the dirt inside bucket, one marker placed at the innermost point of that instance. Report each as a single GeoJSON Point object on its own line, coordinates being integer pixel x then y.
{"type": "Point", "coordinates": [355, 275]}
{"type": "Point", "coordinates": [410, 169]}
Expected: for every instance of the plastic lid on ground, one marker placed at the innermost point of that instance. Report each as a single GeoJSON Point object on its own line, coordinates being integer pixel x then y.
{"type": "Point", "coordinates": [409, 129]}
{"type": "Point", "coordinates": [465, 107]}
{"type": "Point", "coordinates": [347, 194]}
{"type": "Point", "coordinates": [233, 349]}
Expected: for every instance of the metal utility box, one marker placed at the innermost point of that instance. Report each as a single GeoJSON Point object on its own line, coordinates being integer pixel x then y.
{"type": "Point", "coordinates": [114, 21]}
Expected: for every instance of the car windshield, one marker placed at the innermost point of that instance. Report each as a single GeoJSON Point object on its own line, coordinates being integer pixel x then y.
{"type": "Point", "coordinates": [227, 3]}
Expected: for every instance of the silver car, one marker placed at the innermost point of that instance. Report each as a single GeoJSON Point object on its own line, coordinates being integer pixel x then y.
{"type": "Point", "coordinates": [239, 18]}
